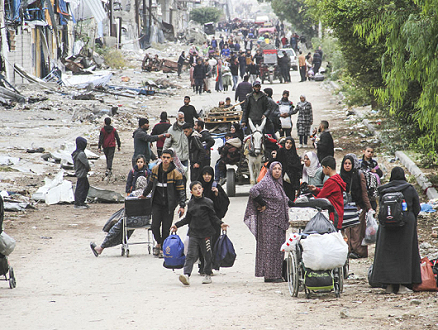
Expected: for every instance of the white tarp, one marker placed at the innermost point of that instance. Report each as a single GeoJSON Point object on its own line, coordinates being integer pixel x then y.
{"type": "Point", "coordinates": [55, 191]}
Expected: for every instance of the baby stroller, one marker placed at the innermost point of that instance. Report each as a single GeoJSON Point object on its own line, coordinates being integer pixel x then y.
{"type": "Point", "coordinates": [306, 267]}
{"type": "Point", "coordinates": [5, 269]}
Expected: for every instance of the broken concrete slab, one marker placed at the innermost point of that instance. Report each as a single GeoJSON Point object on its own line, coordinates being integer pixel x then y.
{"type": "Point", "coordinates": [104, 195]}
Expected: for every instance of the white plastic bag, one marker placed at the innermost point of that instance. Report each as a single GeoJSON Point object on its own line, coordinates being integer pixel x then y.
{"type": "Point", "coordinates": [324, 252]}
{"type": "Point", "coordinates": [7, 244]}
{"type": "Point", "coordinates": [371, 230]}
{"type": "Point", "coordinates": [290, 243]}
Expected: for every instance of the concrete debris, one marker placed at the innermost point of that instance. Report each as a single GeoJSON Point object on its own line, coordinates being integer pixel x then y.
{"type": "Point", "coordinates": [55, 191]}
{"type": "Point", "coordinates": [105, 196]}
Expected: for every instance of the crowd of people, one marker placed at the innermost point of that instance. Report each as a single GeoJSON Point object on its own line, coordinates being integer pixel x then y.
{"type": "Point", "coordinates": [184, 156]}
{"type": "Point", "coordinates": [229, 59]}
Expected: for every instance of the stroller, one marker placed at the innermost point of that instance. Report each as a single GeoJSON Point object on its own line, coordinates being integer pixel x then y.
{"type": "Point", "coordinates": [304, 261]}
{"type": "Point", "coordinates": [5, 269]}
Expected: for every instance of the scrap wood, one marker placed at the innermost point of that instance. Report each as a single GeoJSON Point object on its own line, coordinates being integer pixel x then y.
{"type": "Point", "coordinates": [102, 90]}
{"type": "Point", "coordinates": [31, 78]}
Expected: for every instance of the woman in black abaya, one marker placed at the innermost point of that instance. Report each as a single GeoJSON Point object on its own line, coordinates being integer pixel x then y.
{"type": "Point", "coordinates": [397, 259]}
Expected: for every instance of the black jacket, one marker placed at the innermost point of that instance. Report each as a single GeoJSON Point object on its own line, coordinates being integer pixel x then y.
{"type": "Point", "coordinates": [325, 146]}
{"type": "Point", "coordinates": [207, 141]}
{"type": "Point", "coordinates": [255, 109]}
{"type": "Point", "coordinates": [199, 71]}
{"type": "Point", "coordinates": [200, 217]}
{"type": "Point", "coordinates": [189, 113]}
{"type": "Point", "coordinates": [133, 175]}
{"type": "Point", "coordinates": [243, 89]}
{"type": "Point", "coordinates": [196, 149]}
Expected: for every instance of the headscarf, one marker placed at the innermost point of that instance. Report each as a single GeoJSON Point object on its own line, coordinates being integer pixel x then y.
{"type": "Point", "coordinates": [273, 192]}
{"type": "Point", "coordinates": [397, 173]}
{"type": "Point", "coordinates": [352, 178]}
{"type": "Point", "coordinates": [140, 185]}
{"type": "Point", "coordinates": [289, 159]}
{"type": "Point", "coordinates": [207, 185]}
{"type": "Point", "coordinates": [221, 201]}
{"type": "Point", "coordinates": [310, 171]}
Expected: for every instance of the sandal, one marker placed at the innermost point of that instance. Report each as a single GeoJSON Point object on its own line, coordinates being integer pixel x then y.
{"type": "Point", "coordinates": [93, 248]}
{"type": "Point", "coordinates": [156, 251]}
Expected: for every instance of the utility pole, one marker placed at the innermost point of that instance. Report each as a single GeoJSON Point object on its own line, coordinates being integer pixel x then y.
{"type": "Point", "coordinates": [4, 45]}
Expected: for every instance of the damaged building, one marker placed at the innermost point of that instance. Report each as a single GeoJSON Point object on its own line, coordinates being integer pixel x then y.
{"type": "Point", "coordinates": [38, 35]}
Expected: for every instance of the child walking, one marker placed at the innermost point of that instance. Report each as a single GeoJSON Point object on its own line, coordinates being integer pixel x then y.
{"type": "Point", "coordinates": [82, 167]}
{"type": "Point", "coordinates": [369, 165]}
{"type": "Point", "coordinates": [201, 218]}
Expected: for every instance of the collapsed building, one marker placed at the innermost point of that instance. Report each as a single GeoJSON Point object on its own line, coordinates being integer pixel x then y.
{"type": "Point", "coordinates": [38, 35]}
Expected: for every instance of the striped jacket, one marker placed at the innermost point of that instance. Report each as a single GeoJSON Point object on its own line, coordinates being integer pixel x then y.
{"type": "Point", "coordinates": [176, 193]}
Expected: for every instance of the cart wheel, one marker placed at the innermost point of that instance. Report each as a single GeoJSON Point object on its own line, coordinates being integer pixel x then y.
{"type": "Point", "coordinates": [231, 182]}
{"type": "Point", "coordinates": [123, 251]}
{"type": "Point", "coordinates": [127, 253]}
{"type": "Point", "coordinates": [293, 276]}
{"type": "Point", "coordinates": [12, 282]}
{"type": "Point", "coordinates": [271, 79]}
{"type": "Point", "coordinates": [149, 249]}
{"type": "Point", "coordinates": [307, 292]}
{"type": "Point", "coordinates": [346, 269]}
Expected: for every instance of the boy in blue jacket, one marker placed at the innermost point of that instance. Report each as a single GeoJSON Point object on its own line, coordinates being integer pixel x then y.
{"type": "Point", "coordinates": [200, 217]}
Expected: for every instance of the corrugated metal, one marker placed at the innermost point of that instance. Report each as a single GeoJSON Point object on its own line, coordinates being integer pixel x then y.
{"type": "Point", "coordinates": [97, 9]}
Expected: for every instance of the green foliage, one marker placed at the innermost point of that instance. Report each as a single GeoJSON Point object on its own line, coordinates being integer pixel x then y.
{"type": "Point", "coordinates": [114, 59]}
{"type": "Point", "coordinates": [296, 13]}
{"type": "Point", "coordinates": [204, 15]}
{"type": "Point", "coordinates": [410, 33]}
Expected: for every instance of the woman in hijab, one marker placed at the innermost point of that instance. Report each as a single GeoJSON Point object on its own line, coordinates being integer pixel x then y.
{"type": "Point", "coordinates": [237, 131]}
{"type": "Point", "coordinates": [267, 217]}
{"type": "Point", "coordinates": [114, 236]}
{"type": "Point", "coordinates": [397, 259]}
{"type": "Point", "coordinates": [305, 119]}
{"type": "Point", "coordinates": [292, 168]}
{"type": "Point", "coordinates": [312, 170]}
{"type": "Point", "coordinates": [216, 193]}
{"type": "Point", "coordinates": [356, 192]}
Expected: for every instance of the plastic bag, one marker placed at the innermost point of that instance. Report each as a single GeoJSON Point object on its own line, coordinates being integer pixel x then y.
{"type": "Point", "coordinates": [324, 252]}
{"type": "Point", "coordinates": [371, 230]}
{"type": "Point", "coordinates": [427, 277]}
{"type": "Point", "coordinates": [319, 224]}
{"type": "Point", "coordinates": [290, 243]}
{"type": "Point", "coordinates": [7, 244]}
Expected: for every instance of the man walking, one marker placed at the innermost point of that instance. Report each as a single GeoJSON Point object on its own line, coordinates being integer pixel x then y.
{"type": "Point", "coordinates": [177, 140]}
{"type": "Point", "coordinates": [142, 141]}
{"type": "Point", "coordinates": [303, 66]}
{"type": "Point", "coordinates": [324, 146]}
{"type": "Point", "coordinates": [207, 141]}
{"type": "Point", "coordinates": [181, 60]}
{"type": "Point", "coordinates": [196, 151]}
{"type": "Point", "coordinates": [189, 111]}
{"type": "Point", "coordinates": [167, 191]}
{"type": "Point", "coordinates": [107, 140]}
{"type": "Point", "coordinates": [243, 89]}
{"type": "Point", "coordinates": [161, 128]}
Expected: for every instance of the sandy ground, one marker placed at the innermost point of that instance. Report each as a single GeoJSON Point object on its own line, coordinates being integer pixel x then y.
{"type": "Point", "coordinates": [61, 285]}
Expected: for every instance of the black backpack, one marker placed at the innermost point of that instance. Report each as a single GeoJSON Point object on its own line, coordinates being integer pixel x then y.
{"type": "Point", "coordinates": [391, 213]}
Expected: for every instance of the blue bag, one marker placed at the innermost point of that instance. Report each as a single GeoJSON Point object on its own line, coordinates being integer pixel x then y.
{"type": "Point", "coordinates": [173, 252]}
{"type": "Point", "coordinates": [224, 254]}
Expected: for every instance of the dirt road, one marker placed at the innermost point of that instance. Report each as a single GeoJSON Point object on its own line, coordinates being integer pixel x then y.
{"type": "Point", "coordinates": [61, 285]}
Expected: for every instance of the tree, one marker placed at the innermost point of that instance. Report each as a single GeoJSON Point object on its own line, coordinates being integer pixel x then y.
{"type": "Point", "coordinates": [296, 13]}
{"type": "Point", "coordinates": [204, 15]}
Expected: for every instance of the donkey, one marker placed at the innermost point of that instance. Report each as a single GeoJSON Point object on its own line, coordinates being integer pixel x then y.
{"type": "Point", "coordinates": [254, 150]}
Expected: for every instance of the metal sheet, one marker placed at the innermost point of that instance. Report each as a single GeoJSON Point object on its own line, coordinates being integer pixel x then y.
{"type": "Point", "coordinates": [97, 9]}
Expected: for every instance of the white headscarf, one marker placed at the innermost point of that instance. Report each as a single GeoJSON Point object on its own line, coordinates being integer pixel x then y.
{"type": "Point", "coordinates": [310, 171]}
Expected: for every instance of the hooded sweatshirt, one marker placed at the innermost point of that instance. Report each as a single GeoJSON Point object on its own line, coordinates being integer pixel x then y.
{"type": "Point", "coordinates": [108, 136]}
{"type": "Point", "coordinates": [333, 190]}
{"type": "Point", "coordinates": [80, 160]}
